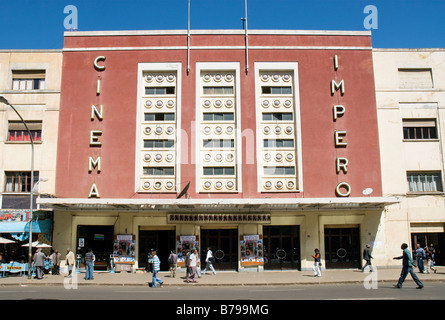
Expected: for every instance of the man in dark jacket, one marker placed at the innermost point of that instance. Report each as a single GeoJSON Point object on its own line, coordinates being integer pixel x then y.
{"type": "Point", "coordinates": [56, 257]}
{"type": "Point", "coordinates": [39, 263]}
{"type": "Point", "coordinates": [172, 259]}
{"type": "Point", "coordinates": [187, 262]}
{"type": "Point", "coordinates": [367, 257]}
{"type": "Point", "coordinates": [407, 267]}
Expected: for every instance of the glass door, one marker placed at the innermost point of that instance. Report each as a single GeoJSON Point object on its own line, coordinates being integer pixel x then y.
{"type": "Point", "coordinates": [281, 247]}
{"type": "Point", "coordinates": [224, 245]}
{"type": "Point", "coordinates": [342, 248]}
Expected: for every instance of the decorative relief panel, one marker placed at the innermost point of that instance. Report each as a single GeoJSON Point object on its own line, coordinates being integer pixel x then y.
{"type": "Point", "coordinates": [278, 172]}
{"type": "Point", "coordinates": [217, 130]}
{"type": "Point", "coordinates": [158, 128]}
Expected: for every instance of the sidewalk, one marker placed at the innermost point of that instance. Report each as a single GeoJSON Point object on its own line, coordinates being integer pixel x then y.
{"type": "Point", "coordinates": [227, 278]}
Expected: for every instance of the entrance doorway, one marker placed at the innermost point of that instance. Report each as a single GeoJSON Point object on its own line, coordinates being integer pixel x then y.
{"type": "Point", "coordinates": [98, 238]}
{"type": "Point", "coordinates": [163, 241]}
{"type": "Point", "coordinates": [342, 247]}
{"type": "Point", "coordinates": [426, 239]}
{"type": "Point", "coordinates": [224, 245]}
{"type": "Point", "coordinates": [281, 247]}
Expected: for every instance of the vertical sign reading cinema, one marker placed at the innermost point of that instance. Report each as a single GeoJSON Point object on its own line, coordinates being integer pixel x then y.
{"type": "Point", "coordinates": [343, 189]}
{"type": "Point", "coordinates": [97, 114]}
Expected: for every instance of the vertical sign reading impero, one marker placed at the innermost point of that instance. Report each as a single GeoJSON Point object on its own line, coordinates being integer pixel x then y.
{"type": "Point", "coordinates": [343, 189]}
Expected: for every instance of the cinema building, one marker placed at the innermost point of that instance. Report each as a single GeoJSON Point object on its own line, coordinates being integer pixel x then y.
{"type": "Point", "coordinates": [261, 147]}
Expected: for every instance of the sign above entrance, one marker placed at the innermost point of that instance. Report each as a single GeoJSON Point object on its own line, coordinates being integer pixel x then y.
{"type": "Point", "coordinates": [222, 218]}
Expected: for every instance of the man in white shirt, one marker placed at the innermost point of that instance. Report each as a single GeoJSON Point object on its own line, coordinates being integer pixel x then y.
{"type": "Point", "coordinates": [209, 261]}
{"type": "Point", "coordinates": [192, 266]}
{"type": "Point", "coordinates": [70, 261]}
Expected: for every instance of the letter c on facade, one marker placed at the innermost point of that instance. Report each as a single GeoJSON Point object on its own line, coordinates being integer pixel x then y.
{"type": "Point", "coordinates": [98, 67]}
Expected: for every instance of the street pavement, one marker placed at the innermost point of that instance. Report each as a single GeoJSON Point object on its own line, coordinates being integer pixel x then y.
{"type": "Point", "coordinates": [227, 278]}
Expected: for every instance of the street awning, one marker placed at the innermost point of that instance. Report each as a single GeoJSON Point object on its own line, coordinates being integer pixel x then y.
{"type": "Point", "coordinates": [220, 205]}
{"type": "Point", "coordinates": [20, 229]}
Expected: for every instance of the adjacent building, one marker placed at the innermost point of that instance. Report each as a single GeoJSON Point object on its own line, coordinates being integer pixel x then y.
{"type": "Point", "coordinates": [29, 82]}
{"type": "Point", "coordinates": [410, 91]}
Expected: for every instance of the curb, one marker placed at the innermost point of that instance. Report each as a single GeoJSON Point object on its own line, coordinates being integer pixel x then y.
{"type": "Point", "coordinates": [148, 284]}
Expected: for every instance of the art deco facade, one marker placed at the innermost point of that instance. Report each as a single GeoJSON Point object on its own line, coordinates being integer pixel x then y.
{"type": "Point", "coordinates": [272, 148]}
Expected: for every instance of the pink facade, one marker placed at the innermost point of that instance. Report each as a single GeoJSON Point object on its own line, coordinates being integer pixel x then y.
{"type": "Point", "coordinates": [316, 55]}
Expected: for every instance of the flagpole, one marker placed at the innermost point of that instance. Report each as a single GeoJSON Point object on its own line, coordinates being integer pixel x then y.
{"type": "Point", "coordinates": [188, 38]}
{"type": "Point", "coordinates": [246, 36]}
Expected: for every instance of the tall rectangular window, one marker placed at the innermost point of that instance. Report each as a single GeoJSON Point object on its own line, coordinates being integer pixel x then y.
{"type": "Point", "coordinates": [218, 143]}
{"type": "Point", "coordinates": [276, 90]}
{"type": "Point", "coordinates": [17, 131]}
{"type": "Point", "coordinates": [25, 80]}
{"type": "Point", "coordinates": [159, 144]}
{"type": "Point", "coordinates": [278, 116]}
{"type": "Point", "coordinates": [159, 90]}
{"type": "Point", "coordinates": [218, 116]}
{"type": "Point", "coordinates": [159, 116]}
{"type": "Point", "coordinates": [219, 171]}
{"type": "Point", "coordinates": [218, 90]}
{"type": "Point", "coordinates": [278, 143]}
{"type": "Point", "coordinates": [419, 129]}
{"type": "Point", "coordinates": [159, 171]}
{"type": "Point", "coordinates": [19, 181]}
{"type": "Point", "coordinates": [424, 181]}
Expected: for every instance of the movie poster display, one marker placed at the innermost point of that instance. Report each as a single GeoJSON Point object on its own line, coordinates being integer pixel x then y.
{"type": "Point", "coordinates": [182, 245]}
{"type": "Point", "coordinates": [124, 251]}
{"type": "Point", "coordinates": [251, 250]}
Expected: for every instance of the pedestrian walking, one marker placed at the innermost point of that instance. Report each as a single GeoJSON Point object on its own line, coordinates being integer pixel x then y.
{"type": "Point", "coordinates": [156, 269]}
{"type": "Point", "coordinates": [407, 267]}
{"type": "Point", "coordinates": [420, 255]}
{"type": "Point", "coordinates": [429, 260]}
{"type": "Point", "coordinates": [367, 257]}
{"type": "Point", "coordinates": [187, 263]}
{"type": "Point", "coordinates": [70, 260]}
{"type": "Point", "coordinates": [55, 258]}
{"type": "Point", "coordinates": [39, 263]}
{"type": "Point", "coordinates": [192, 266]}
{"type": "Point", "coordinates": [433, 253]}
{"type": "Point", "coordinates": [198, 263]}
{"type": "Point", "coordinates": [150, 261]}
{"type": "Point", "coordinates": [89, 264]}
{"type": "Point", "coordinates": [210, 259]}
{"type": "Point", "coordinates": [316, 266]}
{"type": "Point", "coordinates": [172, 260]}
